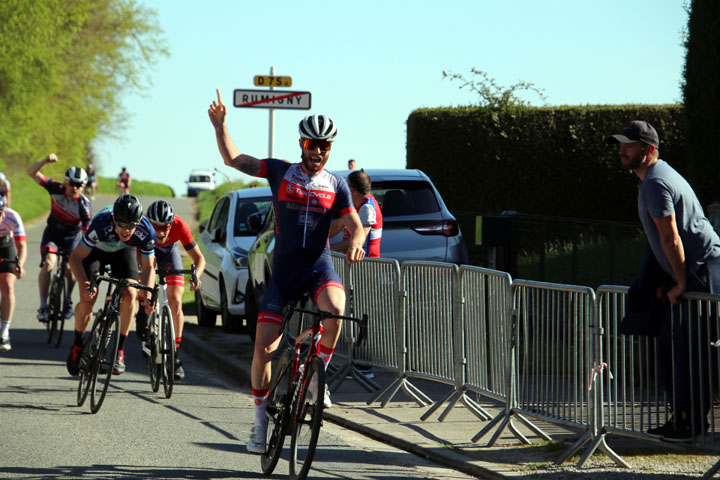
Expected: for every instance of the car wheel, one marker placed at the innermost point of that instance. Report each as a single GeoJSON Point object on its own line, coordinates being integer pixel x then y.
{"type": "Point", "coordinates": [251, 311]}
{"type": "Point", "coordinates": [230, 323]}
{"type": "Point", "coordinates": [205, 316]}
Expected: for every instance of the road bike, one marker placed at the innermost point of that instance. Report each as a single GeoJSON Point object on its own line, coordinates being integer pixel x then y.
{"type": "Point", "coordinates": [100, 349]}
{"type": "Point", "coordinates": [159, 345]}
{"type": "Point", "coordinates": [57, 301]}
{"type": "Point", "coordinates": [297, 392]}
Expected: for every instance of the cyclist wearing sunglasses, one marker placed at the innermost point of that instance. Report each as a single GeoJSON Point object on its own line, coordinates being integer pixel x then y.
{"type": "Point", "coordinates": [171, 229]}
{"type": "Point", "coordinates": [12, 245]}
{"type": "Point", "coordinates": [70, 214]}
{"type": "Point", "coordinates": [305, 197]}
{"type": "Point", "coordinates": [112, 239]}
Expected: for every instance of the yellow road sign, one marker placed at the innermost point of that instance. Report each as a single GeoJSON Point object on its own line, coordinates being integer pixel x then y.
{"type": "Point", "coordinates": [271, 81]}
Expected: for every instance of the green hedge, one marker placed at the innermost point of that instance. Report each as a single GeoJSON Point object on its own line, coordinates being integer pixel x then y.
{"type": "Point", "coordinates": [548, 161]}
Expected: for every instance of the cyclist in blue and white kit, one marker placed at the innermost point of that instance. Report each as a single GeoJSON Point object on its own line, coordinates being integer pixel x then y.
{"type": "Point", "coordinates": [305, 196]}
{"type": "Point", "coordinates": [70, 213]}
{"type": "Point", "coordinates": [113, 238]}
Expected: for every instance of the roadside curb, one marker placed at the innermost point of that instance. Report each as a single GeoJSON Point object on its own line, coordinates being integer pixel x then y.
{"type": "Point", "coordinates": [196, 347]}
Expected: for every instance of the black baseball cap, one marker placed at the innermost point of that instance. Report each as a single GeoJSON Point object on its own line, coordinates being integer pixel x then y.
{"type": "Point", "coordinates": [636, 131]}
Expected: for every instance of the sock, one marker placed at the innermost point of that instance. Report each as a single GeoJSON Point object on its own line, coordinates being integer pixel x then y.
{"type": "Point", "coordinates": [4, 329]}
{"type": "Point", "coordinates": [260, 398]}
{"type": "Point", "coordinates": [177, 343]}
{"type": "Point", "coordinates": [121, 344]}
{"type": "Point", "coordinates": [43, 300]}
{"type": "Point", "coordinates": [78, 338]}
{"type": "Point", "coordinates": [326, 354]}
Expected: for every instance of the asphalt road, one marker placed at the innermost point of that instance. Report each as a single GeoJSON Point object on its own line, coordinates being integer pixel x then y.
{"type": "Point", "coordinates": [199, 433]}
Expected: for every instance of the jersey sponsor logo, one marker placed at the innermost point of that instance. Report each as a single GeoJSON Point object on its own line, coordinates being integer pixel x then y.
{"type": "Point", "coordinates": [92, 236]}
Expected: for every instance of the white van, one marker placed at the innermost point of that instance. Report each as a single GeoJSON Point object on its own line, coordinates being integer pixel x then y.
{"type": "Point", "coordinates": [199, 181]}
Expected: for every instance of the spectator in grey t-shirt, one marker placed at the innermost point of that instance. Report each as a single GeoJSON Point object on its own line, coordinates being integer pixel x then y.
{"type": "Point", "coordinates": [688, 249]}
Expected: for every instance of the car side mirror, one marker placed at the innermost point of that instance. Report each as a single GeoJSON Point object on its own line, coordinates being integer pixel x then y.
{"type": "Point", "coordinates": [254, 221]}
{"type": "Point", "coordinates": [203, 225]}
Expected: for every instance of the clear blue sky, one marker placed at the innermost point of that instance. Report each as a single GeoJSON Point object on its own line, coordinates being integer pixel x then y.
{"type": "Point", "coordinates": [370, 64]}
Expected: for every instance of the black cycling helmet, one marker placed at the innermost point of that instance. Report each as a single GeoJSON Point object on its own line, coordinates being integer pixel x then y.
{"type": "Point", "coordinates": [318, 127]}
{"type": "Point", "coordinates": [76, 175]}
{"type": "Point", "coordinates": [160, 213]}
{"type": "Point", "coordinates": [127, 209]}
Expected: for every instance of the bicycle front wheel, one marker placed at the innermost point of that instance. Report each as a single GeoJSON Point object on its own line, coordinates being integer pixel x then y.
{"type": "Point", "coordinates": [167, 350]}
{"type": "Point", "coordinates": [87, 370]}
{"type": "Point", "coordinates": [56, 313]}
{"type": "Point", "coordinates": [307, 413]}
{"type": "Point", "coordinates": [153, 339]}
{"type": "Point", "coordinates": [278, 412]}
{"type": "Point", "coordinates": [105, 360]}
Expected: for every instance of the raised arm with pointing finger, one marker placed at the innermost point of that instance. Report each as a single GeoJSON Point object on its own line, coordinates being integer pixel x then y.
{"type": "Point", "coordinates": [231, 155]}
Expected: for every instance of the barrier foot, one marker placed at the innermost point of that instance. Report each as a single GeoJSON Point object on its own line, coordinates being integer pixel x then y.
{"type": "Point", "coordinates": [473, 406]}
{"type": "Point", "coordinates": [710, 473]}
{"type": "Point", "coordinates": [454, 394]}
{"type": "Point", "coordinates": [393, 388]}
{"type": "Point", "coordinates": [601, 443]}
{"type": "Point", "coordinates": [518, 434]}
{"type": "Point", "coordinates": [535, 429]}
{"type": "Point", "coordinates": [574, 449]}
{"type": "Point", "coordinates": [416, 394]}
{"type": "Point", "coordinates": [337, 378]}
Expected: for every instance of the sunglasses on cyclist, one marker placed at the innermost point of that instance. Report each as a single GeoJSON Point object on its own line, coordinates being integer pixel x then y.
{"type": "Point", "coordinates": [126, 226]}
{"type": "Point", "coordinates": [77, 184]}
{"type": "Point", "coordinates": [313, 144]}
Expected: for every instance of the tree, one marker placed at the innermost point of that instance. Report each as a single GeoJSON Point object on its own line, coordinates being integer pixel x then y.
{"type": "Point", "coordinates": [701, 96]}
{"type": "Point", "coordinates": [63, 66]}
{"type": "Point", "coordinates": [493, 95]}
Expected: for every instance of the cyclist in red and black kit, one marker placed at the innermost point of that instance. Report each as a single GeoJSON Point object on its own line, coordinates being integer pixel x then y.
{"type": "Point", "coordinates": [305, 197]}
{"type": "Point", "coordinates": [171, 229]}
{"type": "Point", "coordinates": [70, 215]}
{"type": "Point", "coordinates": [123, 181]}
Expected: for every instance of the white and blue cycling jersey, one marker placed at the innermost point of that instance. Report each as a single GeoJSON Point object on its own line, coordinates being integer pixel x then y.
{"type": "Point", "coordinates": [101, 234]}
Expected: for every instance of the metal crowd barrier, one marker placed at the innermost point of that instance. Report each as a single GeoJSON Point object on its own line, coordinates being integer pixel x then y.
{"type": "Point", "coordinates": [481, 339]}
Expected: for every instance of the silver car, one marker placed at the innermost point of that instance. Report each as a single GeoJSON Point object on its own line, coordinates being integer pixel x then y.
{"type": "Point", "coordinates": [225, 239]}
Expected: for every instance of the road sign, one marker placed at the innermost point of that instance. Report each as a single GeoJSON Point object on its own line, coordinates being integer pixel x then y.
{"type": "Point", "coordinates": [272, 99]}
{"type": "Point", "coordinates": [272, 81]}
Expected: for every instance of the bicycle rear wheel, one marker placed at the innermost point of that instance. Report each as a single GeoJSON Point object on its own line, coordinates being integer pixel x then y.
{"type": "Point", "coordinates": [87, 371]}
{"type": "Point", "coordinates": [105, 360]}
{"type": "Point", "coordinates": [167, 350]}
{"type": "Point", "coordinates": [278, 412]}
{"type": "Point", "coordinates": [56, 312]}
{"type": "Point", "coordinates": [308, 419]}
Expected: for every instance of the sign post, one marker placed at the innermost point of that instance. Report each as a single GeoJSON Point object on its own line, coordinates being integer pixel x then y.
{"type": "Point", "coordinates": [271, 99]}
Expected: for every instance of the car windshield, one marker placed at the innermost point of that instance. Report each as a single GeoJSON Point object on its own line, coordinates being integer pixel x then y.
{"type": "Point", "coordinates": [200, 178]}
{"type": "Point", "coordinates": [398, 198]}
{"type": "Point", "coordinates": [245, 208]}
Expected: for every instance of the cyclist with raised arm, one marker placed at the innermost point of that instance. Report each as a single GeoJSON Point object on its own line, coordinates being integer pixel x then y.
{"type": "Point", "coordinates": [305, 196]}
{"type": "Point", "coordinates": [70, 214]}
{"type": "Point", "coordinates": [171, 229]}
{"type": "Point", "coordinates": [112, 239]}
{"type": "Point", "coordinates": [12, 246]}
{"type": "Point", "coordinates": [91, 185]}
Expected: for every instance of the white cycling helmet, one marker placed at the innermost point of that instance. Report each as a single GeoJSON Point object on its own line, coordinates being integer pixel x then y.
{"type": "Point", "coordinates": [319, 127]}
{"type": "Point", "coordinates": [76, 175]}
{"type": "Point", "coordinates": [160, 213]}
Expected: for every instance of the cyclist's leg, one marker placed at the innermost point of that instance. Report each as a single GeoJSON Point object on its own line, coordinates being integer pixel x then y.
{"type": "Point", "coordinates": [69, 245]}
{"type": "Point", "coordinates": [170, 259]}
{"type": "Point", "coordinates": [46, 243]}
{"type": "Point", "coordinates": [329, 295]}
{"type": "Point", "coordinates": [92, 264]}
{"type": "Point", "coordinates": [7, 290]}
{"type": "Point", "coordinates": [124, 265]}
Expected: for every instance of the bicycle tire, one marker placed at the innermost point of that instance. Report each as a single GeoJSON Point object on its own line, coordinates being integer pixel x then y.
{"type": "Point", "coordinates": [59, 317]}
{"type": "Point", "coordinates": [54, 305]}
{"type": "Point", "coordinates": [278, 412]}
{"type": "Point", "coordinates": [167, 350]}
{"type": "Point", "coordinates": [86, 368]}
{"type": "Point", "coordinates": [307, 416]}
{"type": "Point", "coordinates": [153, 367]}
{"type": "Point", "coordinates": [105, 360]}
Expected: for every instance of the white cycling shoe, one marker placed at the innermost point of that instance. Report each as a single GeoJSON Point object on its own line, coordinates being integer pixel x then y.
{"type": "Point", "coordinates": [258, 437]}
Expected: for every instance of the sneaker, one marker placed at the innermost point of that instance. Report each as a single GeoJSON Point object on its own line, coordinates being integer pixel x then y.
{"type": "Point", "coordinates": [119, 367]}
{"type": "Point", "coordinates": [258, 437]}
{"type": "Point", "coordinates": [69, 311]}
{"type": "Point", "coordinates": [660, 431]}
{"type": "Point", "coordinates": [42, 314]}
{"type": "Point", "coordinates": [5, 344]}
{"type": "Point", "coordinates": [73, 361]}
{"type": "Point", "coordinates": [179, 370]}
